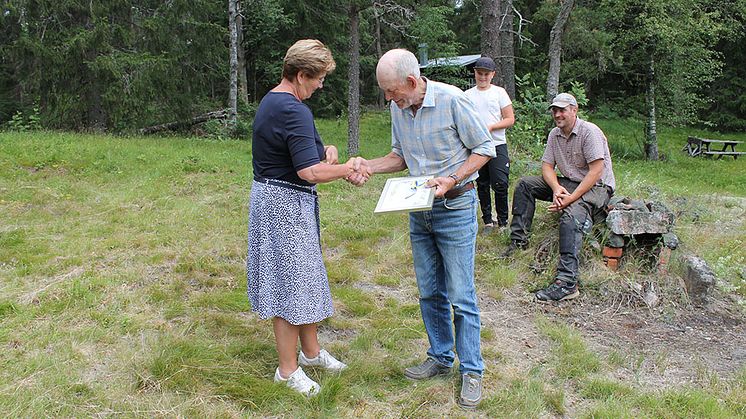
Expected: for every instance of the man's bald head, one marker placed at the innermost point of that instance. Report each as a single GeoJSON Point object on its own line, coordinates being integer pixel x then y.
{"type": "Point", "coordinates": [398, 75]}
{"type": "Point", "coordinates": [396, 65]}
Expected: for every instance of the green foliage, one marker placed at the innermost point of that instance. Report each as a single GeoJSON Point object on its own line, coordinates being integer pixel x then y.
{"type": "Point", "coordinates": [145, 63]}
{"type": "Point", "coordinates": [727, 94]}
{"type": "Point", "coordinates": [25, 122]}
{"type": "Point", "coordinates": [266, 27]}
{"type": "Point", "coordinates": [119, 66]}
{"type": "Point", "coordinates": [431, 27]}
{"type": "Point", "coordinates": [677, 37]}
{"type": "Point", "coordinates": [456, 76]}
{"type": "Point", "coordinates": [528, 134]}
{"type": "Point", "coordinates": [466, 24]}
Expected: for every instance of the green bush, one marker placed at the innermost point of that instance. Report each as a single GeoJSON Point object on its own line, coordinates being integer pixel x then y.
{"type": "Point", "coordinates": [25, 121]}
{"type": "Point", "coordinates": [531, 119]}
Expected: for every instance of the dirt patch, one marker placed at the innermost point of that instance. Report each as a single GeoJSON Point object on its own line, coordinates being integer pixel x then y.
{"type": "Point", "coordinates": [658, 349]}
{"type": "Point", "coordinates": [32, 295]}
{"type": "Point", "coordinates": [402, 295]}
{"type": "Point", "coordinates": [516, 337]}
{"type": "Point", "coordinates": [46, 170]}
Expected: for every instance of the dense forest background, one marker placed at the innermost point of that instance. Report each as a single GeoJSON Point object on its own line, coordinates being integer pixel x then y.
{"type": "Point", "coordinates": [118, 66]}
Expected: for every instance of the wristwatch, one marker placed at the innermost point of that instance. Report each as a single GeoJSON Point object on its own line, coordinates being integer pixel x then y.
{"type": "Point", "coordinates": [455, 178]}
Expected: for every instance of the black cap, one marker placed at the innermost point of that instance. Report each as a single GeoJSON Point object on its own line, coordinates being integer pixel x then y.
{"type": "Point", "coordinates": [485, 63]}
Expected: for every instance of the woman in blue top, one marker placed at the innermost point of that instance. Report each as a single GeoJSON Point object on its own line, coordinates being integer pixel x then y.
{"type": "Point", "coordinates": [287, 280]}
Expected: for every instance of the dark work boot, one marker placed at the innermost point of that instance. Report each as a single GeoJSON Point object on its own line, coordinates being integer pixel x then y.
{"type": "Point", "coordinates": [512, 247]}
{"type": "Point", "coordinates": [559, 290]}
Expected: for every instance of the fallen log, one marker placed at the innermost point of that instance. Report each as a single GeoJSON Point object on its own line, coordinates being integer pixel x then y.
{"type": "Point", "coordinates": [177, 125]}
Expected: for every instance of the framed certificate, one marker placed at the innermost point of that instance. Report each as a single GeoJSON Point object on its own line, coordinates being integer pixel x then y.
{"type": "Point", "coordinates": [406, 194]}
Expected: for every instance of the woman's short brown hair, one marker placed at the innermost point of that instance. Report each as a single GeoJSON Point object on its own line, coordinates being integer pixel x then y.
{"type": "Point", "coordinates": [309, 56]}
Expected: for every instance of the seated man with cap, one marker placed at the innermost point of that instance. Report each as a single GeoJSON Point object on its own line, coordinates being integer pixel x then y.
{"type": "Point", "coordinates": [580, 151]}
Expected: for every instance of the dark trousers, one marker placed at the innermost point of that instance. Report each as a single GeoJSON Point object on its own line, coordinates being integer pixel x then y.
{"type": "Point", "coordinates": [575, 220]}
{"type": "Point", "coordinates": [495, 175]}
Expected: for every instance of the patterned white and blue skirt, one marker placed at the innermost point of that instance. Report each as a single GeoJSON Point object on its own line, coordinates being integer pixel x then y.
{"type": "Point", "coordinates": [285, 269]}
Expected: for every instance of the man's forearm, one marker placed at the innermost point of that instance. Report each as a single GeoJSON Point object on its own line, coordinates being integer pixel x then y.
{"type": "Point", "coordinates": [471, 165]}
{"type": "Point", "coordinates": [389, 163]}
{"type": "Point", "coordinates": [549, 175]}
{"type": "Point", "coordinates": [590, 179]}
{"type": "Point", "coordinates": [504, 123]}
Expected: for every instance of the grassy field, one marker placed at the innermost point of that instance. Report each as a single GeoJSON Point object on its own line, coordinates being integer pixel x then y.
{"type": "Point", "coordinates": [122, 290]}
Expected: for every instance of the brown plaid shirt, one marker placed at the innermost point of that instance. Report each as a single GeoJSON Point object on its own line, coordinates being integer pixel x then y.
{"type": "Point", "coordinates": [587, 143]}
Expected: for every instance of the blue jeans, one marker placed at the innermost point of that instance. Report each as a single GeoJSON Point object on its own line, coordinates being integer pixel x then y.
{"type": "Point", "coordinates": [443, 246]}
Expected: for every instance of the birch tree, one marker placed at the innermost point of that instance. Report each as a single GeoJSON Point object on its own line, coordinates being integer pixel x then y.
{"type": "Point", "coordinates": [555, 47]}
{"type": "Point", "coordinates": [233, 67]}
{"type": "Point", "coordinates": [666, 48]}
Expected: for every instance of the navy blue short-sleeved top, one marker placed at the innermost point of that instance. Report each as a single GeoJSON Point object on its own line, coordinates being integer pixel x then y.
{"type": "Point", "coordinates": [285, 139]}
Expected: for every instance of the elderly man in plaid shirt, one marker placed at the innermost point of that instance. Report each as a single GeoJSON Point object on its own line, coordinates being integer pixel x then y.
{"type": "Point", "coordinates": [436, 131]}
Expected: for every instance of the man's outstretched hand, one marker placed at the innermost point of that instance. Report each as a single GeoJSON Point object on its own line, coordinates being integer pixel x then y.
{"type": "Point", "coordinates": [361, 171]}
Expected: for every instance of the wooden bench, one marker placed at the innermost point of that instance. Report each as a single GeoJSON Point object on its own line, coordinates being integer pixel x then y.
{"type": "Point", "coordinates": [696, 146]}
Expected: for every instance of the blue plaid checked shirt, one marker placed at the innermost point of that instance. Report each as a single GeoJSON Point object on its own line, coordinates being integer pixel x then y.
{"type": "Point", "coordinates": [445, 131]}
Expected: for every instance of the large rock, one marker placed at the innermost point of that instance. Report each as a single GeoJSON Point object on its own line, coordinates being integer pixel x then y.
{"type": "Point", "coordinates": [698, 279]}
{"type": "Point", "coordinates": [626, 222]}
{"type": "Point", "coordinates": [671, 240]}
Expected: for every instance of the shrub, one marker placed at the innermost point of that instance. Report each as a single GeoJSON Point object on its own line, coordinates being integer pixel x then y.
{"type": "Point", "coordinates": [25, 121]}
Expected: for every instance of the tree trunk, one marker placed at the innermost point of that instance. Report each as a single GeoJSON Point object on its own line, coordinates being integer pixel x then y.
{"type": "Point", "coordinates": [233, 93]}
{"type": "Point", "coordinates": [651, 136]}
{"type": "Point", "coordinates": [178, 125]}
{"type": "Point", "coordinates": [379, 53]}
{"type": "Point", "coordinates": [507, 60]}
{"type": "Point", "coordinates": [243, 89]}
{"type": "Point", "coordinates": [353, 78]}
{"type": "Point", "coordinates": [96, 116]}
{"type": "Point", "coordinates": [555, 48]}
{"type": "Point", "coordinates": [491, 35]}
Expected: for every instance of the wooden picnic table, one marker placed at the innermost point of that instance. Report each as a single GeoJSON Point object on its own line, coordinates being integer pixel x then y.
{"type": "Point", "coordinates": [696, 146]}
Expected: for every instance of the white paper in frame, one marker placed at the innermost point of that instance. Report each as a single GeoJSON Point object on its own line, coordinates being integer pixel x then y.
{"type": "Point", "coordinates": [406, 194]}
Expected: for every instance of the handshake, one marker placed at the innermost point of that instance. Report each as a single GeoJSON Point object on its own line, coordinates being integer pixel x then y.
{"type": "Point", "coordinates": [359, 171]}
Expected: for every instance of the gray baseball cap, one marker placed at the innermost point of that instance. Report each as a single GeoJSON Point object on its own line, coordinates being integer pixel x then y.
{"type": "Point", "coordinates": [563, 100]}
{"type": "Point", "coordinates": [485, 63]}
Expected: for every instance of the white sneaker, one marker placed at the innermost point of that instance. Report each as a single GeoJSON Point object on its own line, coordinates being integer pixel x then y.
{"type": "Point", "coordinates": [299, 382]}
{"type": "Point", "coordinates": [324, 360]}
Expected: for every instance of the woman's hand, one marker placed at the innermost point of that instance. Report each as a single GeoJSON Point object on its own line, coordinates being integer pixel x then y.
{"type": "Point", "coordinates": [361, 172]}
{"type": "Point", "coordinates": [331, 155]}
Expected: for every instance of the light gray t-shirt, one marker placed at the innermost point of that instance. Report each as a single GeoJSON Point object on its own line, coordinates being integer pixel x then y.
{"type": "Point", "coordinates": [489, 104]}
{"type": "Point", "coordinates": [587, 143]}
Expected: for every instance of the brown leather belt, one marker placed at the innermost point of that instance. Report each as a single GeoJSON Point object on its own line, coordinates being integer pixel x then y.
{"type": "Point", "coordinates": [453, 193]}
